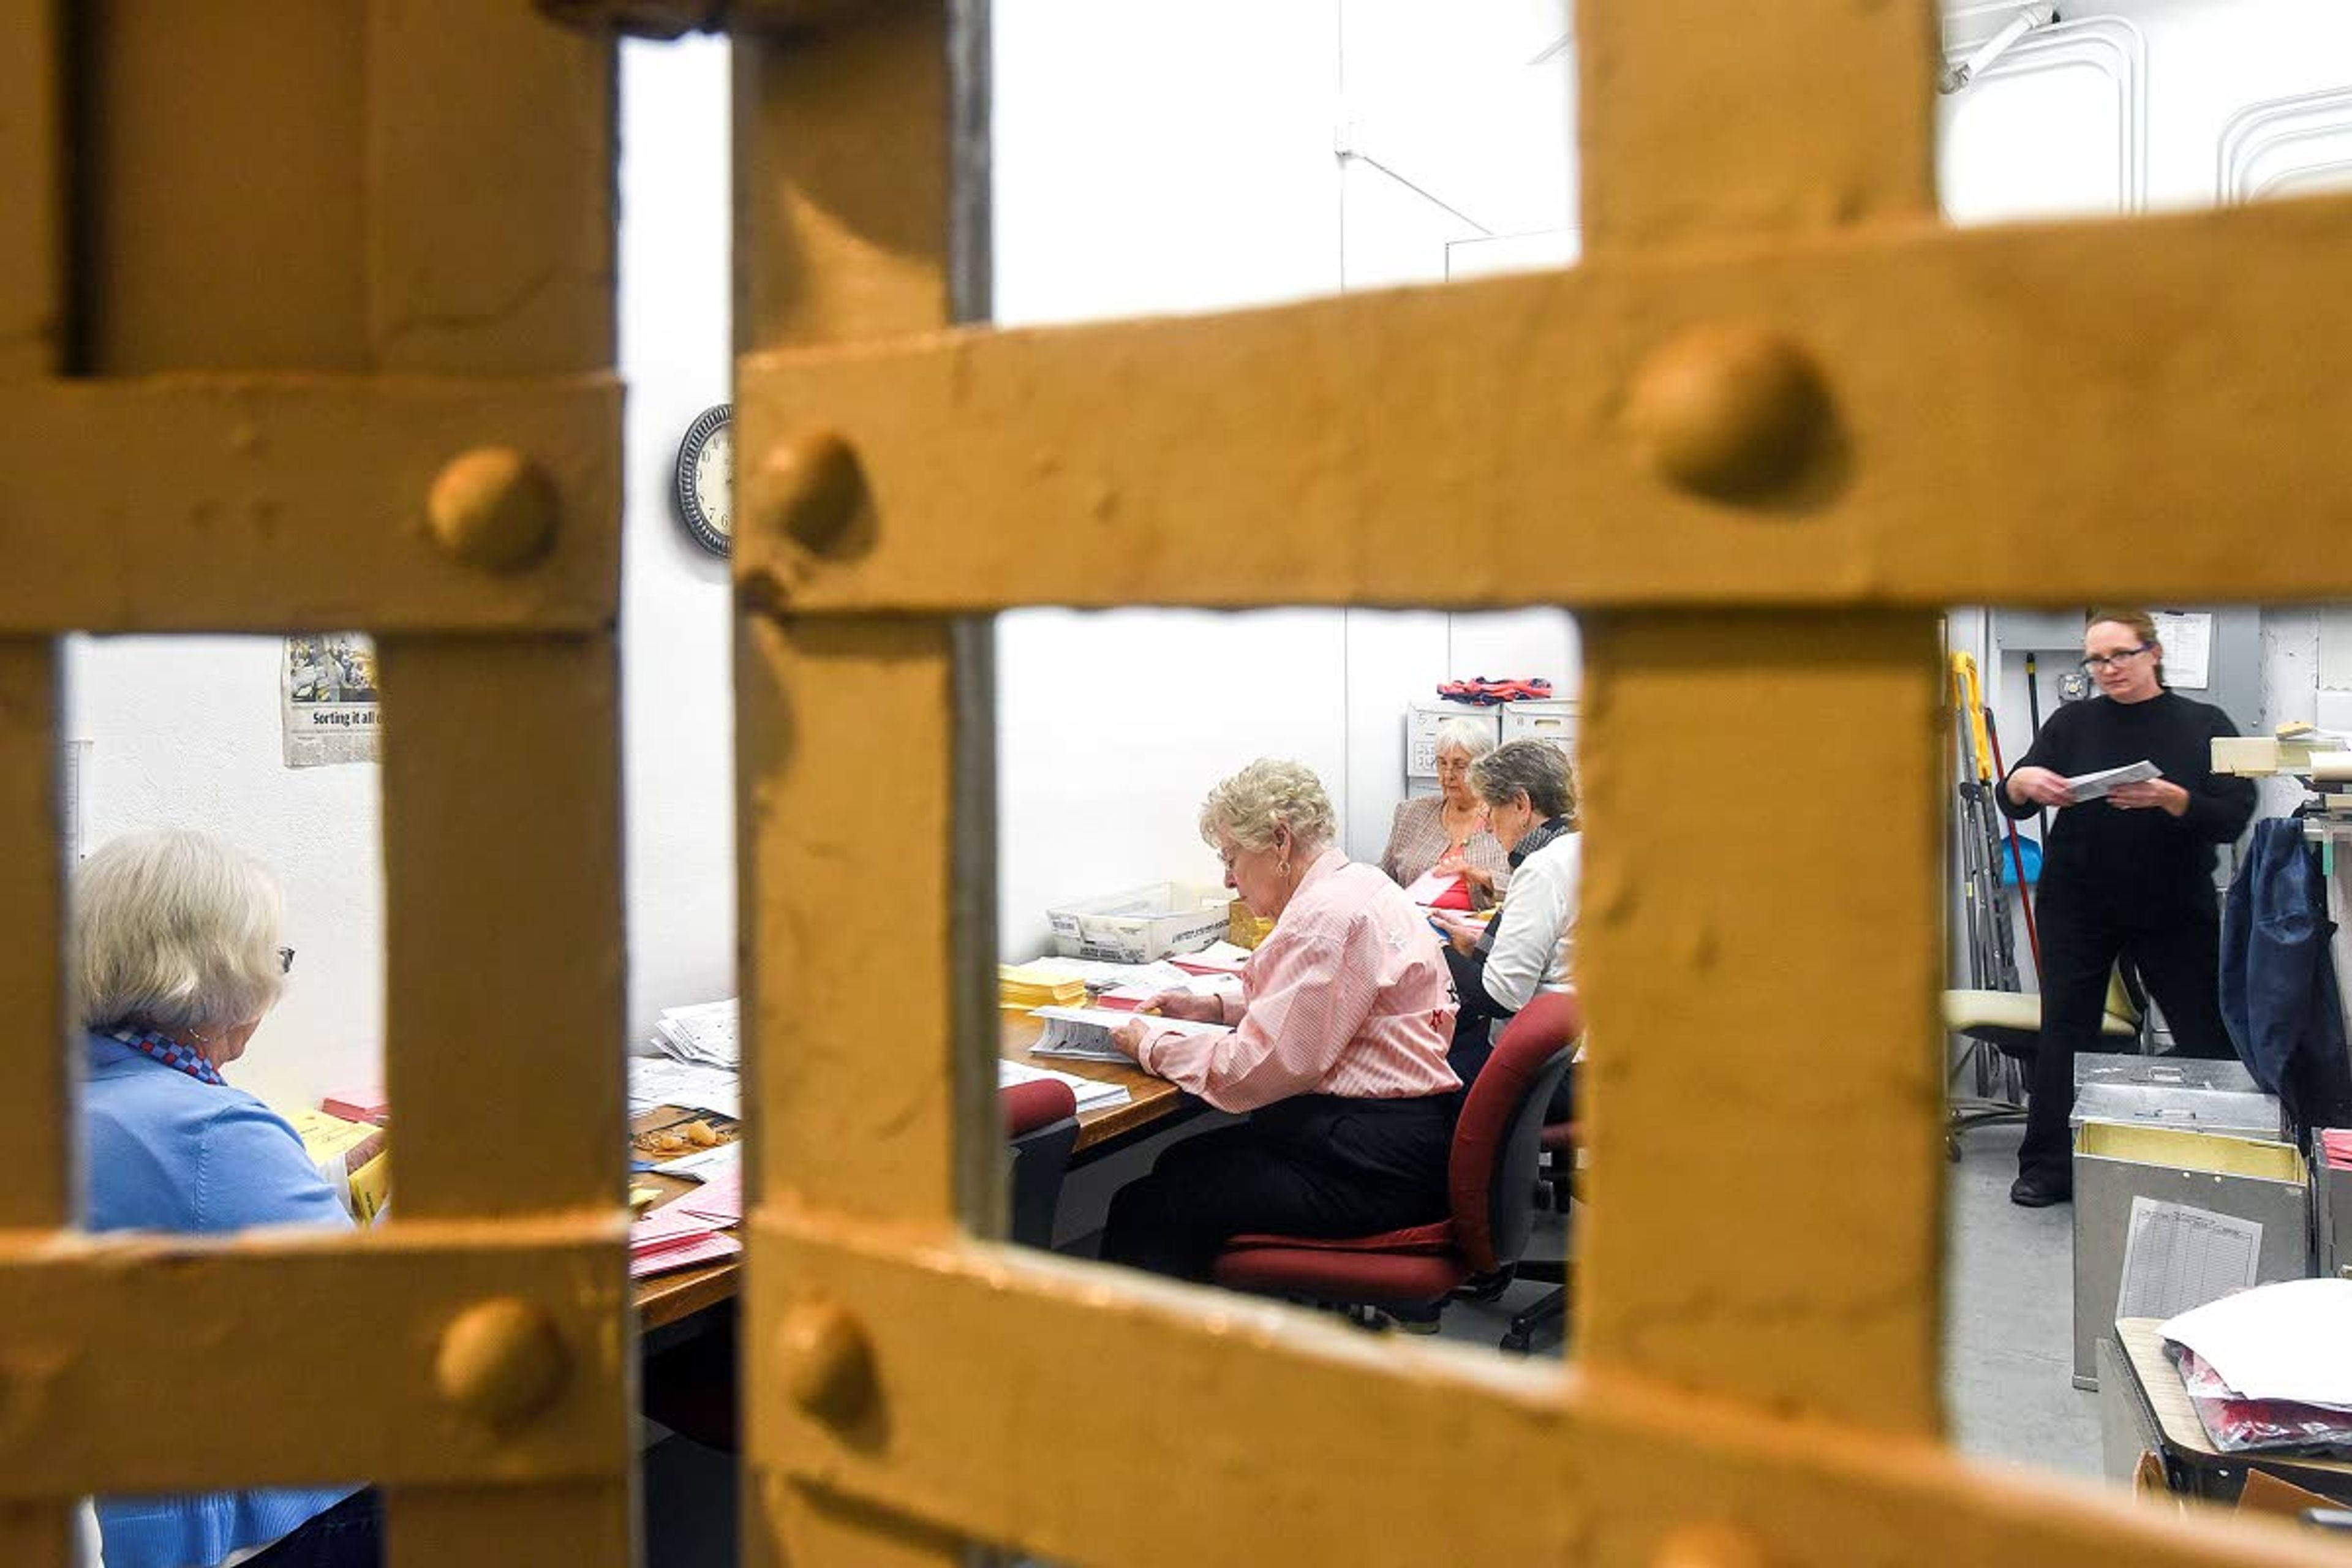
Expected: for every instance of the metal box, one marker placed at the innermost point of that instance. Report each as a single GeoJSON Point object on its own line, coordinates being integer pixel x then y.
{"type": "Point", "coordinates": [2238, 1114]}
{"type": "Point", "coordinates": [2331, 1214]}
{"type": "Point", "coordinates": [2225, 1073]}
{"type": "Point", "coordinates": [2246, 1178]}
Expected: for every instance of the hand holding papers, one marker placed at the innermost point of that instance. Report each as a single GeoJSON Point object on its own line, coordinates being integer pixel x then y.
{"type": "Point", "coordinates": [2101, 782]}
{"type": "Point", "coordinates": [1084, 1033]}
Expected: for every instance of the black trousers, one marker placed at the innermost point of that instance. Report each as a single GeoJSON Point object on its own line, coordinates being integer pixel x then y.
{"type": "Point", "coordinates": [1314, 1165]}
{"type": "Point", "coordinates": [2176, 946]}
{"type": "Point", "coordinates": [347, 1535]}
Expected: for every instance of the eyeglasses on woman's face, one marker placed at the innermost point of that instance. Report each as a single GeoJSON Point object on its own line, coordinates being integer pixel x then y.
{"type": "Point", "coordinates": [285, 961]}
{"type": "Point", "coordinates": [2099, 661]}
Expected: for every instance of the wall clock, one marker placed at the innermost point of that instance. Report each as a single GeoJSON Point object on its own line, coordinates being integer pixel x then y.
{"type": "Point", "coordinates": [705, 484]}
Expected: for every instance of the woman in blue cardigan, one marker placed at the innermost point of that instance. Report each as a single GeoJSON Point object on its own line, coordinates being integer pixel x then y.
{"type": "Point", "coordinates": [176, 960]}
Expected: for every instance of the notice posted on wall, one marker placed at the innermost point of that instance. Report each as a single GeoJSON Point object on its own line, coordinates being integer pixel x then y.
{"type": "Point", "coordinates": [328, 695]}
{"type": "Point", "coordinates": [2187, 639]}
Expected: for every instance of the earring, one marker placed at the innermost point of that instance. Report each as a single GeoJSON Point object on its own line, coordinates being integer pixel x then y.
{"type": "Point", "coordinates": [1284, 869]}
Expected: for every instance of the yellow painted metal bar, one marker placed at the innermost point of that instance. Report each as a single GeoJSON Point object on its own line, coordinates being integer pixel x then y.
{"type": "Point", "coordinates": [1292, 1428]}
{"type": "Point", "coordinates": [489, 252]}
{"type": "Point", "coordinates": [330, 1359]}
{"type": "Point", "coordinates": [33, 1535]}
{"type": "Point", "coordinates": [33, 247]}
{"type": "Point", "coordinates": [256, 503]}
{"type": "Point", "coordinates": [846, 885]}
{"type": "Point", "coordinates": [1764, 1118]}
{"type": "Point", "coordinates": [1700, 123]}
{"type": "Point", "coordinates": [1237, 460]}
{"type": "Point", "coordinates": [502, 809]}
{"type": "Point", "coordinates": [843, 176]}
{"type": "Point", "coordinates": [502, 893]}
{"type": "Point", "coordinates": [41, 1182]}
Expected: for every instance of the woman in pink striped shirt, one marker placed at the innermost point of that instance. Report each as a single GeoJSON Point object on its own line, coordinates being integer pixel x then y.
{"type": "Point", "coordinates": [1338, 1050]}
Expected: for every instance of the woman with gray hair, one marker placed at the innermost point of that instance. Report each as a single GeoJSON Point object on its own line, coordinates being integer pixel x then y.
{"type": "Point", "coordinates": [176, 958]}
{"type": "Point", "coordinates": [1529, 945]}
{"type": "Point", "coordinates": [1447, 832]}
{"type": "Point", "coordinates": [1337, 1048]}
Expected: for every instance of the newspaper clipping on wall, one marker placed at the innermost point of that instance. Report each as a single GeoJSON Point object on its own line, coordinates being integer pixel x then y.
{"type": "Point", "coordinates": [327, 683]}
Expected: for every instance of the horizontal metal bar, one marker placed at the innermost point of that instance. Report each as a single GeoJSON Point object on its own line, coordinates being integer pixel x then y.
{"type": "Point", "coordinates": [266, 503]}
{"type": "Point", "coordinates": [155, 1365]}
{"type": "Point", "coordinates": [2036, 415]}
{"type": "Point", "coordinates": [1100, 1381]}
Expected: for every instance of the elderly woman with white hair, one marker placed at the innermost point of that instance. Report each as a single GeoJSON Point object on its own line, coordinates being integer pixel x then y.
{"type": "Point", "coordinates": [176, 960]}
{"type": "Point", "coordinates": [1448, 831]}
{"type": "Point", "coordinates": [1338, 1050]}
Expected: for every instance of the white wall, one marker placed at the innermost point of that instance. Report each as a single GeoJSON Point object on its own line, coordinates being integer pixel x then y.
{"type": "Point", "coordinates": [678, 691]}
{"type": "Point", "coordinates": [1148, 164]}
{"type": "Point", "coordinates": [184, 732]}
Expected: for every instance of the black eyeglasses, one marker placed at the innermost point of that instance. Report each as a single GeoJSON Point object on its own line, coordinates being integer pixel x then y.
{"type": "Point", "coordinates": [2099, 661]}
{"type": "Point", "coordinates": [285, 961]}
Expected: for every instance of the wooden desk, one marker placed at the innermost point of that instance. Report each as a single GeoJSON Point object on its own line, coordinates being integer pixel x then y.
{"type": "Point", "coordinates": [1150, 1101]}
{"type": "Point", "coordinates": [667, 1299]}
{"type": "Point", "coordinates": [2192, 1465]}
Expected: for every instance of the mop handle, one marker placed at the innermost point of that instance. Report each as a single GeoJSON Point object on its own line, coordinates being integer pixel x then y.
{"type": "Point", "coordinates": [1968, 695]}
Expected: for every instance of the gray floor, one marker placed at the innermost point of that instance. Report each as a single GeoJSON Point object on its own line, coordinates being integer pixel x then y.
{"type": "Point", "coordinates": [2009, 1330]}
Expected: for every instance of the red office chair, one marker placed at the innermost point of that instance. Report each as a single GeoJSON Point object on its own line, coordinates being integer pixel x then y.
{"type": "Point", "coordinates": [1491, 1176]}
{"type": "Point", "coordinates": [1041, 1127]}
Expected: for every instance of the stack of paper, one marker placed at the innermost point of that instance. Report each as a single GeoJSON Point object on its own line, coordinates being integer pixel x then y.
{"type": "Point", "coordinates": [368, 1103]}
{"type": "Point", "coordinates": [708, 1034]}
{"type": "Point", "coordinates": [659, 1080]}
{"type": "Point", "coordinates": [2335, 1147]}
{"type": "Point", "coordinates": [687, 1230]}
{"type": "Point", "coordinates": [2094, 786]}
{"type": "Point", "coordinates": [1091, 1095]}
{"type": "Point", "coordinates": [1021, 986]}
{"type": "Point", "coordinates": [2270, 1367]}
{"type": "Point", "coordinates": [1217, 958]}
{"type": "Point", "coordinates": [1084, 1034]}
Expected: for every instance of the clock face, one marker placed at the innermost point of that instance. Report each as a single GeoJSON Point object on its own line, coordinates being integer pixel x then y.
{"type": "Point", "coordinates": [706, 469]}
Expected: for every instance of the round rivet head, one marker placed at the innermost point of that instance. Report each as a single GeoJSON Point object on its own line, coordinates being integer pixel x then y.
{"type": "Point", "coordinates": [501, 1361]}
{"type": "Point", "coordinates": [1708, 1546]}
{"type": "Point", "coordinates": [493, 508]}
{"type": "Point", "coordinates": [828, 1363]}
{"type": "Point", "coordinates": [1729, 410]}
{"type": "Point", "coordinates": [814, 488]}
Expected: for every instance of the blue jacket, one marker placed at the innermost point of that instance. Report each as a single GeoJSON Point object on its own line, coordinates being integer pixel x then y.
{"type": "Point", "coordinates": [166, 1153]}
{"type": "Point", "coordinates": [2279, 995]}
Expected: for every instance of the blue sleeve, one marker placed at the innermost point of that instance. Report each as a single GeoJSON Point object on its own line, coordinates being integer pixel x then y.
{"type": "Point", "coordinates": [252, 1170]}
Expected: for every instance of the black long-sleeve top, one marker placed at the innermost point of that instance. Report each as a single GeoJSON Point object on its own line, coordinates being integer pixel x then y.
{"type": "Point", "coordinates": [2145, 856]}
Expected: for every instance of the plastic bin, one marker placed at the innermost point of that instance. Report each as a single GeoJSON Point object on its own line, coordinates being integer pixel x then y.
{"type": "Point", "coordinates": [1141, 924]}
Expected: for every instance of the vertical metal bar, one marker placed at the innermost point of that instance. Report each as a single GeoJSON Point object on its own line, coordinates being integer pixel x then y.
{"type": "Point", "coordinates": [504, 924]}
{"type": "Point", "coordinates": [1784, 963]}
{"type": "Point", "coordinates": [860, 171]}
{"type": "Point", "coordinates": [32, 899]}
{"type": "Point", "coordinates": [1761, 965]}
{"type": "Point", "coordinates": [1699, 120]}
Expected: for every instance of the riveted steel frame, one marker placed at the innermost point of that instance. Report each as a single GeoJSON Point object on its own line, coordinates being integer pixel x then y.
{"type": "Point", "coordinates": [1758, 1296]}
{"type": "Point", "coordinates": [267, 270]}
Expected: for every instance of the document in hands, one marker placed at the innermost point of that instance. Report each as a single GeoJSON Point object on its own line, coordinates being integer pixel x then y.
{"type": "Point", "coordinates": [1084, 1033]}
{"type": "Point", "coordinates": [2091, 787]}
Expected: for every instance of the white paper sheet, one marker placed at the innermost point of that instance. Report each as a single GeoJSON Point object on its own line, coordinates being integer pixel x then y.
{"type": "Point", "coordinates": [2291, 1341]}
{"type": "Point", "coordinates": [2188, 640]}
{"type": "Point", "coordinates": [2177, 1258]}
{"type": "Point", "coordinates": [2092, 785]}
{"type": "Point", "coordinates": [660, 1080]}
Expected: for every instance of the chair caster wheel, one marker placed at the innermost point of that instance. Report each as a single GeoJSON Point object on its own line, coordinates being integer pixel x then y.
{"type": "Point", "coordinates": [1517, 1343]}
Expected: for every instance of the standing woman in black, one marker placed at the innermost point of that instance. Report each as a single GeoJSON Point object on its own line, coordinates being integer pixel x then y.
{"type": "Point", "coordinates": [2131, 875]}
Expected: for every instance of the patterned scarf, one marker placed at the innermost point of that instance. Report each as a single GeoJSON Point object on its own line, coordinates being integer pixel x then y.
{"type": "Point", "coordinates": [1533, 839]}
{"type": "Point", "coordinates": [169, 1052]}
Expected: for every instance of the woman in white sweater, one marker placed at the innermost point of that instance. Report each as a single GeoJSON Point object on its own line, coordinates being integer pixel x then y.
{"type": "Point", "coordinates": [1529, 945]}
